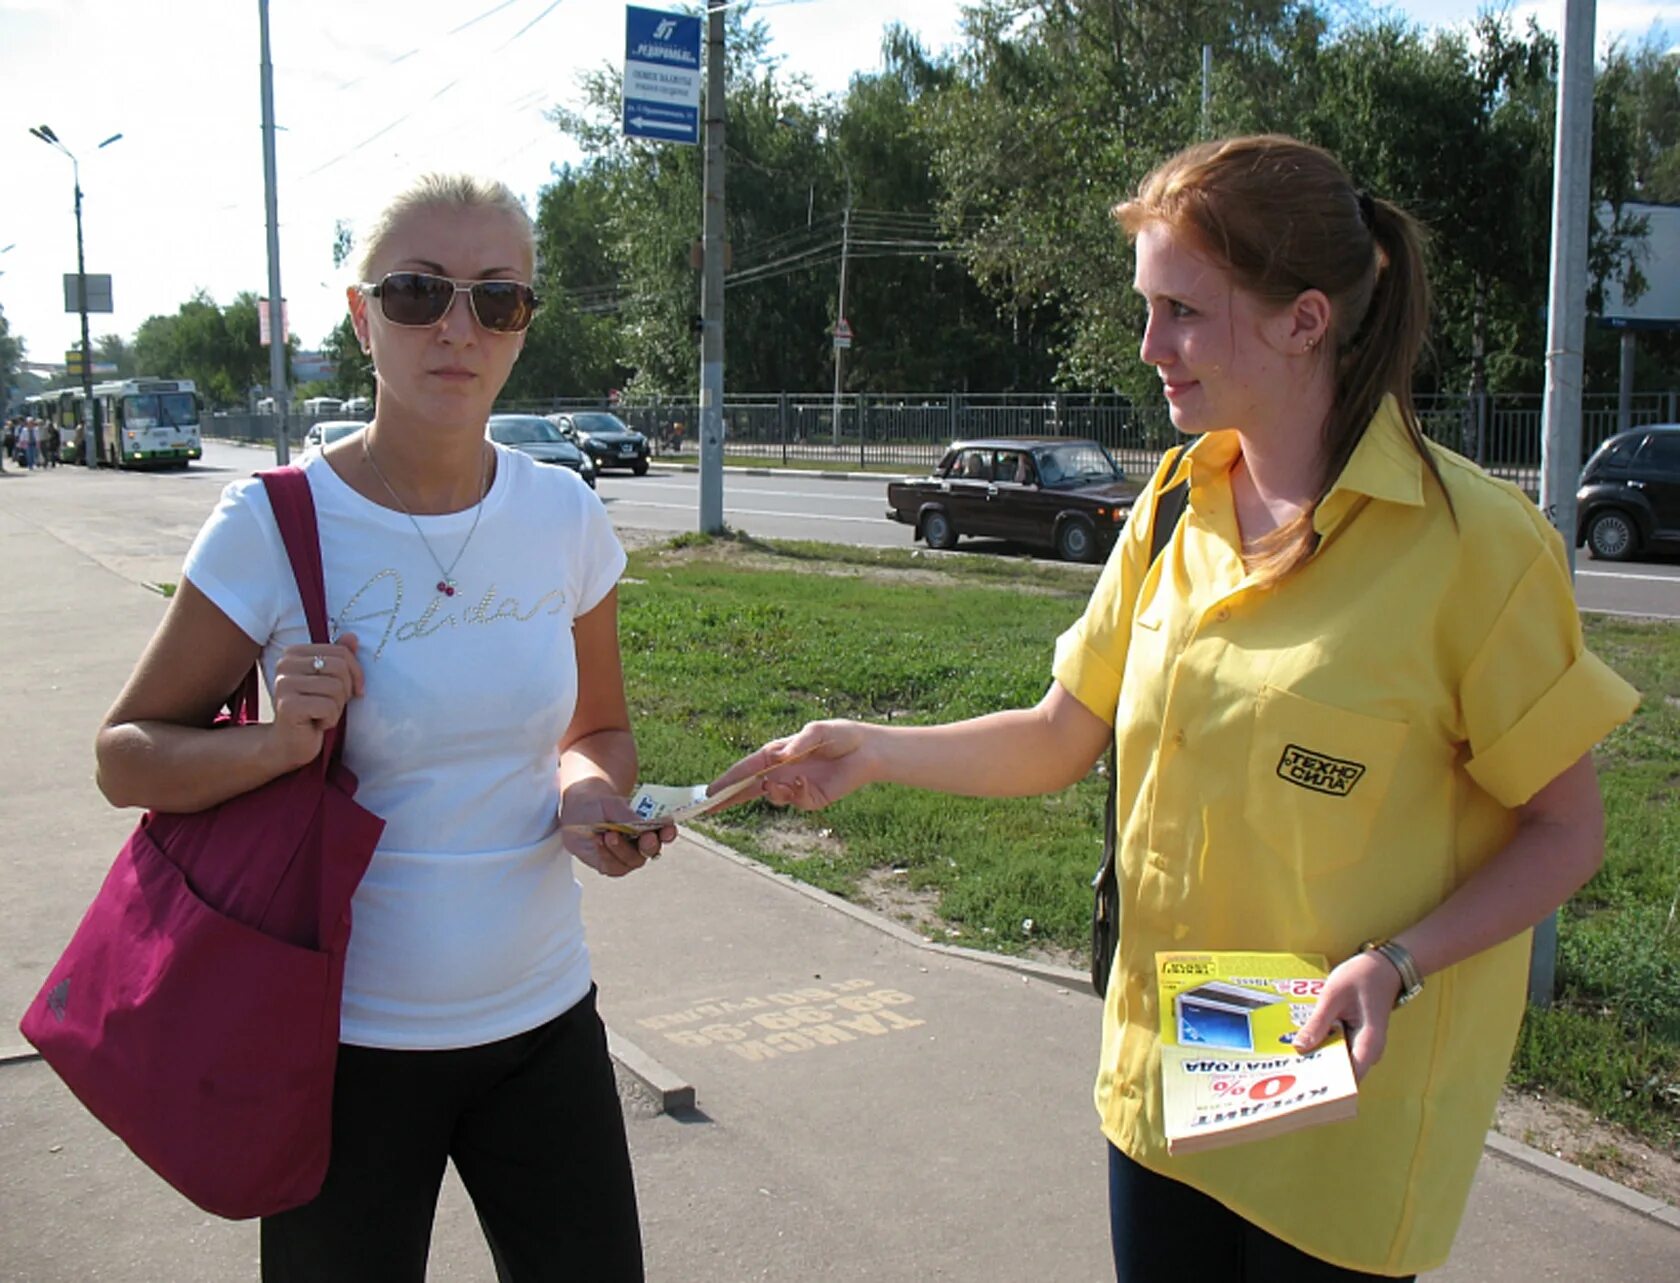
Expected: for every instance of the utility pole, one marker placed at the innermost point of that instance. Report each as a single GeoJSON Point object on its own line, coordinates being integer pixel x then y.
{"type": "Point", "coordinates": [711, 284]}
{"type": "Point", "coordinates": [841, 325]}
{"type": "Point", "coordinates": [1207, 89]}
{"type": "Point", "coordinates": [1566, 323]}
{"type": "Point", "coordinates": [276, 307]}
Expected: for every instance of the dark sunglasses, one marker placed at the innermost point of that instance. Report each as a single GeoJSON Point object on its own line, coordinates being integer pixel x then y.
{"type": "Point", "coordinates": [420, 299]}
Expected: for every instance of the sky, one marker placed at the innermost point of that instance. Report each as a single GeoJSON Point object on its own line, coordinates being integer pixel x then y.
{"type": "Point", "coordinates": [367, 94]}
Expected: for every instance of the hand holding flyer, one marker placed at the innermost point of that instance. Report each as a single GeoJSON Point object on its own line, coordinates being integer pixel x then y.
{"type": "Point", "coordinates": [1229, 1070]}
{"type": "Point", "coordinates": [659, 805]}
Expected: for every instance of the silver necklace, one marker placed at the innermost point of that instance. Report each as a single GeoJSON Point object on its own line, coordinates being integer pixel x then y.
{"type": "Point", "coordinates": [446, 584]}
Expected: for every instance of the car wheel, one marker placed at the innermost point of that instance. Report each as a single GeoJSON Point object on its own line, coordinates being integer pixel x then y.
{"type": "Point", "coordinates": [938, 531]}
{"type": "Point", "coordinates": [1612, 536]}
{"type": "Point", "coordinates": [1076, 540]}
{"type": "Point", "coordinates": [640, 469]}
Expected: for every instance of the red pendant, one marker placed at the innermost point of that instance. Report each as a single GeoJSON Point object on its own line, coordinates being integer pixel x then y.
{"type": "Point", "coordinates": [446, 588]}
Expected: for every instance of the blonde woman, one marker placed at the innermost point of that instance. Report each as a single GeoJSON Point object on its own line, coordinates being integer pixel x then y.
{"type": "Point", "coordinates": [473, 603]}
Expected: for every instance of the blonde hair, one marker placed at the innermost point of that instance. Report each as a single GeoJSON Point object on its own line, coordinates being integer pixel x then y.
{"type": "Point", "coordinates": [1282, 216]}
{"type": "Point", "coordinates": [456, 191]}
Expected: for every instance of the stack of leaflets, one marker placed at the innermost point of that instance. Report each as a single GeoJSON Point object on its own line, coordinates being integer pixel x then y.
{"type": "Point", "coordinates": [1229, 1069]}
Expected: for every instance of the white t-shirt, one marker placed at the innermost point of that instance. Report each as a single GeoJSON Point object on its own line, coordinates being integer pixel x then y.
{"type": "Point", "coordinates": [466, 928]}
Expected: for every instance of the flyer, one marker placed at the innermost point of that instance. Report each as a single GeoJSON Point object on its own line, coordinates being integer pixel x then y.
{"type": "Point", "coordinates": [1229, 1069]}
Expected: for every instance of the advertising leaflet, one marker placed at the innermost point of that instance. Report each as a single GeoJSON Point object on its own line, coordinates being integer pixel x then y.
{"type": "Point", "coordinates": [1229, 1069]}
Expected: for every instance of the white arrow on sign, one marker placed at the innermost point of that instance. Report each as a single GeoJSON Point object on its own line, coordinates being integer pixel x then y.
{"type": "Point", "coordinates": [674, 126]}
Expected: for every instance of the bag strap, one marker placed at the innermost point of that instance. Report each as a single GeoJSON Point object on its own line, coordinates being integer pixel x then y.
{"type": "Point", "coordinates": [294, 513]}
{"type": "Point", "coordinates": [1169, 508]}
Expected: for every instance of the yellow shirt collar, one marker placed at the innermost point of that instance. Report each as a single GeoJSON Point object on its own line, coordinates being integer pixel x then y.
{"type": "Point", "coordinates": [1384, 466]}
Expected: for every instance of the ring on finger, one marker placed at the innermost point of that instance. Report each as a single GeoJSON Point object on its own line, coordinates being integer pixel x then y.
{"type": "Point", "coordinates": [318, 664]}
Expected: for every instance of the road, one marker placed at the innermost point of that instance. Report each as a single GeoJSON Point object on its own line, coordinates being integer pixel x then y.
{"type": "Point", "coordinates": [814, 506]}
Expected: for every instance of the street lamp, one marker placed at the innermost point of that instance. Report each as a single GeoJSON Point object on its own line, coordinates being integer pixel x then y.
{"type": "Point", "coordinates": [92, 446]}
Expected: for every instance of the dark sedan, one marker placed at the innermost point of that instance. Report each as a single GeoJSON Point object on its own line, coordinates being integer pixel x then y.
{"type": "Point", "coordinates": [1629, 500]}
{"type": "Point", "coordinates": [534, 435]}
{"type": "Point", "coordinates": [1059, 493]}
{"type": "Point", "coordinates": [606, 439]}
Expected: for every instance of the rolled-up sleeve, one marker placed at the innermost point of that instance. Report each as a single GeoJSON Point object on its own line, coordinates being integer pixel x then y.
{"type": "Point", "coordinates": [1534, 698]}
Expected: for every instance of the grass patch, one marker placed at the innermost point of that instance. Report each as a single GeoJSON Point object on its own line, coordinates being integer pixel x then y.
{"type": "Point", "coordinates": [164, 589]}
{"type": "Point", "coordinates": [1612, 1040]}
{"type": "Point", "coordinates": [729, 641]}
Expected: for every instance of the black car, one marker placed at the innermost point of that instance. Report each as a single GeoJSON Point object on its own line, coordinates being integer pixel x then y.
{"type": "Point", "coordinates": [606, 439]}
{"type": "Point", "coordinates": [1061, 493]}
{"type": "Point", "coordinates": [1629, 500]}
{"type": "Point", "coordinates": [534, 435]}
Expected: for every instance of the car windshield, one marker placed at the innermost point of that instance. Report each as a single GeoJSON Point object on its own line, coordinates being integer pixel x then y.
{"type": "Point", "coordinates": [1078, 463]}
{"type": "Point", "coordinates": [598, 423]}
{"type": "Point", "coordinates": [521, 429]}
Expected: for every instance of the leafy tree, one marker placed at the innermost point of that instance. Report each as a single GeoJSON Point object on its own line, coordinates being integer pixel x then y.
{"type": "Point", "coordinates": [113, 349]}
{"type": "Point", "coordinates": [11, 358]}
{"type": "Point", "coordinates": [218, 349]}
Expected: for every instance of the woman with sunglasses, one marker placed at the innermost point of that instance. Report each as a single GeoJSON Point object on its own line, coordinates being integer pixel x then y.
{"type": "Point", "coordinates": [473, 605]}
{"type": "Point", "coordinates": [1353, 715]}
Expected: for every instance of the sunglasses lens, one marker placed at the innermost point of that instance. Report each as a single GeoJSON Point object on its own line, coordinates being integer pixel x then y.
{"type": "Point", "coordinates": [503, 306]}
{"type": "Point", "coordinates": [415, 298]}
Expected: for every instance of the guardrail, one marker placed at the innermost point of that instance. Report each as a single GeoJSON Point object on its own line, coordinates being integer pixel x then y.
{"type": "Point", "coordinates": [911, 431]}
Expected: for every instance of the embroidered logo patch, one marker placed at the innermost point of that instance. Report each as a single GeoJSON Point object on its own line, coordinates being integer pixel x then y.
{"type": "Point", "coordinates": [1318, 772]}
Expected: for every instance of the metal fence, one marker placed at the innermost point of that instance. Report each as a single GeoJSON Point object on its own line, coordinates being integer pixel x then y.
{"type": "Point", "coordinates": [910, 431]}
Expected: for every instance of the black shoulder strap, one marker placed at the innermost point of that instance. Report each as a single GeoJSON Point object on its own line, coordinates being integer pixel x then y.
{"type": "Point", "coordinates": [1169, 508]}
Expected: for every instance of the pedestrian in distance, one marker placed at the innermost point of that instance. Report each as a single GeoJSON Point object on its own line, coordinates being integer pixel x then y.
{"type": "Point", "coordinates": [51, 446]}
{"type": "Point", "coordinates": [1336, 588]}
{"type": "Point", "coordinates": [472, 596]}
{"type": "Point", "coordinates": [8, 442]}
{"type": "Point", "coordinates": [28, 444]}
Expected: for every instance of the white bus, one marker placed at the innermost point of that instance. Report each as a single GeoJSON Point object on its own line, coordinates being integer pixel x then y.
{"type": "Point", "coordinates": [148, 422]}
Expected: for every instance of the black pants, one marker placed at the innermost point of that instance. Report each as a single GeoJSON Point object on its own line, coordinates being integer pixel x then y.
{"type": "Point", "coordinates": [534, 1127]}
{"type": "Point", "coordinates": [1163, 1230]}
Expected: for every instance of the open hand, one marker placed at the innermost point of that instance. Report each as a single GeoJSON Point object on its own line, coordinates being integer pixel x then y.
{"type": "Point", "coordinates": [824, 762]}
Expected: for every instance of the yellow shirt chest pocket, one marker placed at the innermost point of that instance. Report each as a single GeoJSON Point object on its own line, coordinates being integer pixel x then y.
{"type": "Point", "coordinates": [1317, 776]}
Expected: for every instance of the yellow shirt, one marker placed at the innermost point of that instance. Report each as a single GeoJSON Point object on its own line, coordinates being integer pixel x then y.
{"type": "Point", "coordinates": [1446, 662]}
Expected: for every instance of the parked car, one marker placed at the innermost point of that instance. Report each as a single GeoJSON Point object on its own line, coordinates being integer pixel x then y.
{"type": "Point", "coordinates": [606, 439]}
{"type": "Point", "coordinates": [1629, 500]}
{"type": "Point", "coordinates": [1060, 493]}
{"type": "Point", "coordinates": [358, 405]}
{"type": "Point", "coordinates": [534, 435]}
{"type": "Point", "coordinates": [327, 431]}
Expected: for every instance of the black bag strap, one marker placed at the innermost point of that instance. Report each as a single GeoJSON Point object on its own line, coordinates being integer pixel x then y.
{"type": "Point", "coordinates": [1169, 508]}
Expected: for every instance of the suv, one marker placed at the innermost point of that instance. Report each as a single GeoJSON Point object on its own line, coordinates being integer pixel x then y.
{"type": "Point", "coordinates": [1629, 500]}
{"type": "Point", "coordinates": [605, 438]}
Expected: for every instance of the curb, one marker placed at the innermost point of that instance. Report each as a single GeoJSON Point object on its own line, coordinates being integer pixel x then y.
{"type": "Point", "coordinates": [668, 1088]}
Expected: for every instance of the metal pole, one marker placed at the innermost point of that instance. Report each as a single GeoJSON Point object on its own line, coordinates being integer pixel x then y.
{"type": "Point", "coordinates": [711, 283]}
{"type": "Point", "coordinates": [276, 309]}
{"type": "Point", "coordinates": [91, 435]}
{"type": "Point", "coordinates": [1560, 451]}
{"type": "Point", "coordinates": [1624, 386]}
{"type": "Point", "coordinates": [1207, 88]}
{"type": "Point", "coordinates": [839, 351]}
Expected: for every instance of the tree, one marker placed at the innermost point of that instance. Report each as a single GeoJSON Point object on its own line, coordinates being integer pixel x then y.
{"type": "Point", "coordinates": [113, 349]}
{"type": "Point", "coordinates": [11, 359]}
{"type": "Point", "coordinates": [218, 349]}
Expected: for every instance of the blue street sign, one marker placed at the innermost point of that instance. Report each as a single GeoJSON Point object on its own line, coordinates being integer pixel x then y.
{"type": "Point", "coordinates": [661, 76]}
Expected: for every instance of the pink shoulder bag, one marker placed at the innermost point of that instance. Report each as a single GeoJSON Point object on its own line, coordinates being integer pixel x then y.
{"type": "Point", "coordinates": [195, 1011]}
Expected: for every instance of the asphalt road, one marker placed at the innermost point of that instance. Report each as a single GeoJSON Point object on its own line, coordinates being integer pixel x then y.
{"type": "Point", "coordinates": [790, 505]}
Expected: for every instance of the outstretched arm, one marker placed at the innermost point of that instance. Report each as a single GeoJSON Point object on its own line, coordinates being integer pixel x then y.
{"type": "Point", "coordinates": [1015, 753]}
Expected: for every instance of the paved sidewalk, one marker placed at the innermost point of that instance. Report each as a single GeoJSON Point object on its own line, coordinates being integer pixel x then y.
{"type": "Point", "coordinates": [868, 1107]}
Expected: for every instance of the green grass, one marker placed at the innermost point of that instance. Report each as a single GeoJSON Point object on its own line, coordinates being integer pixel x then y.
{"type": "Point", "coordinates": [729, 642]}
{"type": "Point", "coordinates": [1612, 1040]}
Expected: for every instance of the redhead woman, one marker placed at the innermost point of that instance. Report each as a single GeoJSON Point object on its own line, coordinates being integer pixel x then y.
{"type": "Point", "coordinates": [1336, 584]}
{"type": "Point", "coordinates": [472, 596]}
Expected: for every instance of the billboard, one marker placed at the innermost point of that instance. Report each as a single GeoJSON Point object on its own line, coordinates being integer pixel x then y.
{"type": "Point", "coordinates": [1658, 308]}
